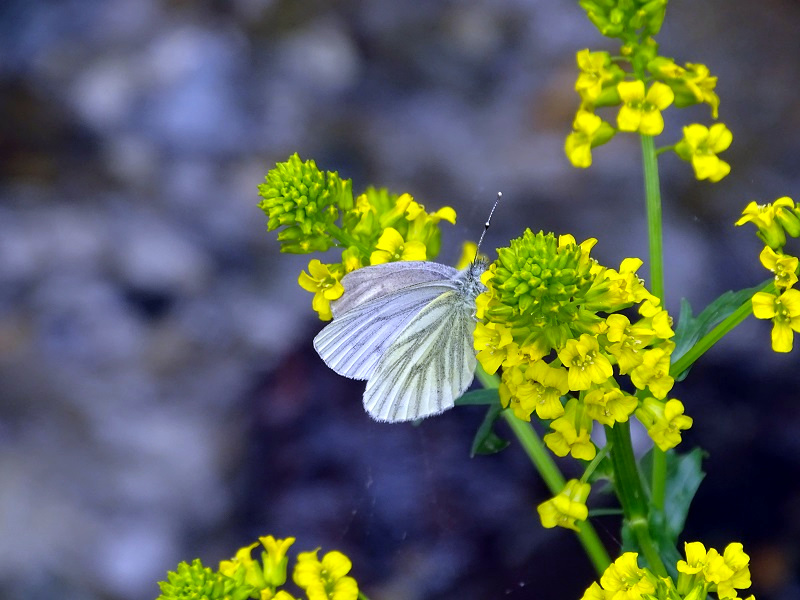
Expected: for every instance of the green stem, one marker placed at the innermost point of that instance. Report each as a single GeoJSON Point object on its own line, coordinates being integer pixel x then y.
{"type": "Point", "coordinates": [630, 491]}
{"type": "Point", "coordinates": [654, 216]}
{"type": "Point", "coordinates": [654, 229]}
{"type": "Point", "coordinates": [552, 477]}
{"type": "Point", "coordinates": [659, 479]}
{"type": "Point", "coordinates": [713, 336]}
{"type": "Point", "coordinates": [536, 451]}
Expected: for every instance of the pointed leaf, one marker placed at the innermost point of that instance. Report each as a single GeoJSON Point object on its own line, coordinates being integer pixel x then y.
{"type": "Point", "coordinates": [486, 440]}
{"type": "Point", "coordinates": [690, 329]}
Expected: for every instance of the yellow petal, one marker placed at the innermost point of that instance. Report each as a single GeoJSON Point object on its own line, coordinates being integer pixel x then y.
{"type": "Point", "coordinates": [782, 337]}
{"type": "Point", "coordinates": [652, 123]}
{"type": "Point", "coordinates": [660, 95]}
{"type": "Point", "coordinates": [631, 91]}
{"type": "Point", "coordinates": [763, 305]}
{"type": "Point", "coordinates": [719, 137]}
{"type": "Point", "coordinates": [628, 118]}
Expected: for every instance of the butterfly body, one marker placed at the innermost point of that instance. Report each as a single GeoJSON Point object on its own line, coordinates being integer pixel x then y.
{"type": "Point", "coordinates": [407, 328]}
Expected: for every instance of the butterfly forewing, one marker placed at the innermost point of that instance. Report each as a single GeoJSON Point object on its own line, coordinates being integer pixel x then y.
{"type": "Point", "coordinates": [353, 343]}
{"type": "Point", "coordinates": [389, 279]}
{"type": "Point", "coordinates": [428, 365]}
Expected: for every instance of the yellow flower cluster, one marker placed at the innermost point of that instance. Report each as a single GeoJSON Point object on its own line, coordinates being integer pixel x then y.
{"type": "Point", "coordinates": [316, 211]}
{"type": "Point", "coordinates": [243, 577]}
{"type": "Point", "coordinates": [774, 222]}
{"type": "Point", "coordinates": [381, 228]}
{"type": "Point", "coordinates": [550, 318]}
{"type": "Point", "coordinates": [648, 85]}
{"type": "Point", "coordinates": [701, 573]}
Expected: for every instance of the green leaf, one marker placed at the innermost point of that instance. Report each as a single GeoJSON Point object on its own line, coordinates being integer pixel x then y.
{"type": "Point", "coordinates": [486, 440]}
{"type": "Point", "coordinates": [485, 396]}
{"type": "Point", "coordinates": [690, 329]}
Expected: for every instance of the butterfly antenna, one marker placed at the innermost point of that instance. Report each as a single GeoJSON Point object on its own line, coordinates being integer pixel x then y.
{"type": "Point", "coordinates": [488, 222]}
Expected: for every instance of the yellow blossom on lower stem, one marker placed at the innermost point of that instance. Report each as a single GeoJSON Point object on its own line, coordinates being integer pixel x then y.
{"type": "Point", "coordinates": [326, 579]}
{"type": "Point", "coordinates": [784, 310]}
{"type": "Point", "coordinates": [664, 421]}
{"type": "Point", "coordinates": [567, 507]}
{"type": "Point", "coordinates": [783, 265]}
{"type": "Point", "coordinates": [323, 281]}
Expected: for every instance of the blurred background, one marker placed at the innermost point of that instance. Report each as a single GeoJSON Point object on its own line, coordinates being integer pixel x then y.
{"type": "Point", "coordinates": [160, 399]}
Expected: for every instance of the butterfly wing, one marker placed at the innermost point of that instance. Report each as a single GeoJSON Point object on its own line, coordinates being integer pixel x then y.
{"type": "Point", "coordinates": [353, 343]}
{"type": "Point", "coordinates": [428, 365]}
{"type": "Point", "coordinates": [381, 281]}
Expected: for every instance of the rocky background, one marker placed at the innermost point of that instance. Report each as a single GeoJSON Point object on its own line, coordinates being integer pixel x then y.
{"type": "Point", "coordinates": [159, 396]}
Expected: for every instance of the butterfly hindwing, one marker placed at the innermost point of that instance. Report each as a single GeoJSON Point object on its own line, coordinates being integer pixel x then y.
{"type": "Point", "coordinates": [427, 366]}
{"type": "Point", "coordinates": [353, 343]}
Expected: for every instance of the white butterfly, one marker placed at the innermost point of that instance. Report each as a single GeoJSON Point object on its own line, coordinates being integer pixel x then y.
{"type": "Point", "coordinates": [407, 328]}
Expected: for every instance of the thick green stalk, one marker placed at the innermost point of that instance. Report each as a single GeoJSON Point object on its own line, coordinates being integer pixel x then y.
{"type": "Point", "coordinates": [631, 494]}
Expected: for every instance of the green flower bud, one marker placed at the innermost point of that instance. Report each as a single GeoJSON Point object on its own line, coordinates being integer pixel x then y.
{"type": "Point", "coordinates": [193, 582]}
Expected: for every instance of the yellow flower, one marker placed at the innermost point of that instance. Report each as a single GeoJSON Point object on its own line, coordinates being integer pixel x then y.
{"type": "Point", "coordinates": [326, 579]}
{"type": "Point", "coordinates": [653, 373]}
{"type": "Point", "coordinates": [700, 145]}
{"type": "Point", "coordinates": [596, 69]}
{"type": "Point", "coordinates": [783, 265]}
{"type": "Point", "coordinates": [392, 247]}
{"type": "Point", "coordinates": [567, 439]}
{"type": "Point", "coordinates": [695, 558]}
{"type": "Point", "coordinates": [323, 281]}
{"type": "Point", "coordinates": [764, 217]}
{"type": "Point", "coordinates": [609, 405]}
{"type": "Point", "coordinates": [566, 508]}
{"type": "Point", "coordinates": [699, 81]}
{"type": "Point", "coordinates": [586, 364]}
{"type": "Point", "coordinates": [594, 592]}
{"type": "Point", "coordinates": [723, 574]}
{"type": "Point", "coordinates": [494, 343]}
{"type": "Point", "coordinates": [588, 131]}
{"type": "Point", "coordinates": [275, 559]}
{"type": "Point", "coordinates": [664, 421]}
{"type": "Point", "coordinates": [628, 342]}
{"type": "Point", "coordinates": [784, 310]}
{"type": "Point", "coordinates": [351, 259]}
{"type": "Point", "coordinates": [625, 580]}
{"type": "Point", "coordinates": [642, 112]}
{"type": "Point", "coordinates": [737, 563]}
{"type": "Point", "coordinates": [549, 383]}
